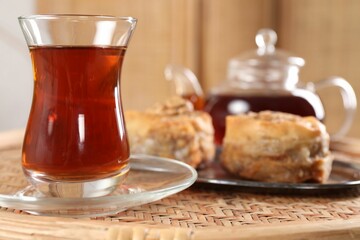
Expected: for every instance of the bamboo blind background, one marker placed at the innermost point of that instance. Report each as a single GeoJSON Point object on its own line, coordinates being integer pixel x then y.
{"type": "Point", "coordinates": [204, 34]}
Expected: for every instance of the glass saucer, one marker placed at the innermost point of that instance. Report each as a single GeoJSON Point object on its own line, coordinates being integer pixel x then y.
{"type": "Point", "coordinates": [150, 179]}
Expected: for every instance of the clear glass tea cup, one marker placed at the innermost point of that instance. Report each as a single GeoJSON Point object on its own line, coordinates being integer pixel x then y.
{"type": "Point", "coordinates": [75, 143]}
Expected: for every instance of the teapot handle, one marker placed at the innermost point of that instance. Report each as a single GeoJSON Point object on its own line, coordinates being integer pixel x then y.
{"type": "Point", "coordinates": [349, 101]}
{"type": "Point", "coordinates": [186, 84]}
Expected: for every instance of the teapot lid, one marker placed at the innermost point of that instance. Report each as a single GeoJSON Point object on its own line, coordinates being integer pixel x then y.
{"type": "Point", "coordinates": [266, 64]}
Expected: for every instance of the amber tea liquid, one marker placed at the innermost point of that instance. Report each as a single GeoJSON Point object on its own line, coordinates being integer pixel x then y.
{"type": "Point", "coordinates": [76, 129]}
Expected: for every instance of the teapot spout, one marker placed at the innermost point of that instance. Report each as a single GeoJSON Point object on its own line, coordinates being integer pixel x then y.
{"type": "Point", "coordinates": [186, 84]}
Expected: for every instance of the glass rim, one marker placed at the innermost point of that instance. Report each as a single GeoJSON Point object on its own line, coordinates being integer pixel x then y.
{"type": "Point", "coordinates": [77, 17]}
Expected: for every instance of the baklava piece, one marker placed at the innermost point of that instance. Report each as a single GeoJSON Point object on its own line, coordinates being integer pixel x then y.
{"type": "Point", "coordinates": [276, 147]}
{"type": "Point", "coordinates": [172, 130]}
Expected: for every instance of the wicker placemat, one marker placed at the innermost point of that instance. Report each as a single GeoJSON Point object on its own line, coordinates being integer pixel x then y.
{"type": "Point", "coordinates": [205, 207]}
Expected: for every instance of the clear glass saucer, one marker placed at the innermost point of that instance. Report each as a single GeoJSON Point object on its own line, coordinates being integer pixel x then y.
{"type": "Point", "coordinates": [150, 179]}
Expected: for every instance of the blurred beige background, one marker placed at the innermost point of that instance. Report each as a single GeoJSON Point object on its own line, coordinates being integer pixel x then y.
{"type": "Point", "coordinates": [15, 66]}
{"type": "Point", "coordinates": [204, 34]}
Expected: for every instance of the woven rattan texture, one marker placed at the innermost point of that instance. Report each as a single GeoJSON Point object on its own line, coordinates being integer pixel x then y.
{"type": "Point", "coordinates": [201, 206]}
{"type": "Point", "coordinates": [204, 207]}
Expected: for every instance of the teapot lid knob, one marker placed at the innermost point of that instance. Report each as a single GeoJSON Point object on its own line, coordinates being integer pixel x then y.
{"type": "Point", "coordinates": [266, 64]}
{"type": "Point", "coordinates": [265, 40]}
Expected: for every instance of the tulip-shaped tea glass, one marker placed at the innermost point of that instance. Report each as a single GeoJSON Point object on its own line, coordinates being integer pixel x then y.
{"type": "Point", "coordinates": [75, 143]}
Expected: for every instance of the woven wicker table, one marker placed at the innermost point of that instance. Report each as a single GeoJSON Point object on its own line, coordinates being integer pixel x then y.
{"type": "Point", "coordinates": [202, 212]}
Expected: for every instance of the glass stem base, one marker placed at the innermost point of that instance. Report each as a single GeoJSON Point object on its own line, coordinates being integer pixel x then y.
{"type": "Point", "coordinates": [76, 189]}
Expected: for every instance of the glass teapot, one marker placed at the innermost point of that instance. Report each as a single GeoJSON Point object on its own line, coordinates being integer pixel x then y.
{"type": "Point", "coordinates": [264, 79]}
